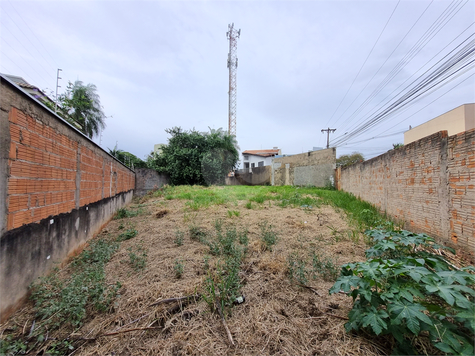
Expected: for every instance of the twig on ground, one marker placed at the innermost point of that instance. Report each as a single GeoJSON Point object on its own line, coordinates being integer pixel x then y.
{"type": "Point", "coordinates": [118, 332]}
{"type": "Point", "coordinates": [230, 337]}
{"type": "Point", "coordinates": [336, 316]}
{"type": "Point", "coordinates": [311, 288]}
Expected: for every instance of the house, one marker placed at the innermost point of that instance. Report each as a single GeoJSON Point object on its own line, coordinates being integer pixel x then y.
{"type": "Point", "coordinates": [455, 121]}
{"type": "Point", "coordinates": [35, 92]}
{"type": "Point", "coordinates": [259, 158]}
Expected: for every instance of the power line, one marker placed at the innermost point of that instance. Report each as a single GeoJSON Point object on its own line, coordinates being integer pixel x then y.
{"type": "Point", "coordinates": [369, 54]}
{"type": "Point", "coordinates": [456, 65]}
{"type": "Point", "coordinates": [394, 50]}
{"type": "Point", "coordinates": [26, 48]}
{"type": "Point", "coordinates": [37, 39]}
{"type": "Point", "coordinates": [441, 21]}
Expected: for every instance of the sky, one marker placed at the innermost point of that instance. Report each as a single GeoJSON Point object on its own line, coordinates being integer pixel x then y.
{"type": "Point", "coordinates": [303, 66]}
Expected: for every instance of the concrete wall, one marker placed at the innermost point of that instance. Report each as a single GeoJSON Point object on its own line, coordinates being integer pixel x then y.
{"type": "Point", "coordinates": [256, 176]}
{"type": "Point", "coordinates": [148, 179]}
{"type": "Point", "coordinates": [427, 184]}
{"type": "Point", "coordinates": [315, 168]}
{"type": "Point", "coordinates": [57, 189]}
{"type": "Point", "coordinates": [454, 121]}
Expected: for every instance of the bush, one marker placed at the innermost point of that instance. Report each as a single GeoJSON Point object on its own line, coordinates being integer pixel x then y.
{"type": "Point", "coordinates": [405, 289]}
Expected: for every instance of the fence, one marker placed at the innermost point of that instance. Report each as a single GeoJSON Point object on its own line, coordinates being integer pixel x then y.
{"type": "Point", "coordinates": [315, 168]}
{"type": "Point", "coordinates": [57, 189]}
{"type": "Point", "coordinates": [427, 184]}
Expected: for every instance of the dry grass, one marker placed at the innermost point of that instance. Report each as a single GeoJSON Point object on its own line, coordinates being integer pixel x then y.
{"type": "Point", "coordinates": [277, 317]}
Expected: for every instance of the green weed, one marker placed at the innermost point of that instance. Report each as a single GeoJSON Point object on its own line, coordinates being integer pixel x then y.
{"type": "Point", "coordinates": [268, 235]}
{"type": "Point", "coordinates": [58, 302]}
{"type": "Point", "coordinates": [179, 268]}
{"type": "Point", "coordinates": [127, 235]}
{"type": "Point", "coordinates": [137, 257]}
{"type": "Point", "coordinates": [232, 213]}
{"type": "Point", "coordinates": [325, 267]}
{"type": "Point", "coordinates": [179, 237]}
{"type": "Point", "coordinates": [196, 233]}
{"type": "Point", "coordinates": [296, 268]}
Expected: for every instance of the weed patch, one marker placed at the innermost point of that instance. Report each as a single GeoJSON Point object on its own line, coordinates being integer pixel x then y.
{"type": "Point", "coordinates": [59, 302]}
{"type": "Point", "coordinates": [127, 235]}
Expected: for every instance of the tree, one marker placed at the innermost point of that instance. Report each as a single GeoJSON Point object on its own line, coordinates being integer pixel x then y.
{"type": "Point", "coordinates": [347, 160]}
{"type": "Point", "coordinates": [127, 158]}
{"type": "Point", "coordinates": [81, 105]}
{"type": "Point", "coordinates": [193, 157]}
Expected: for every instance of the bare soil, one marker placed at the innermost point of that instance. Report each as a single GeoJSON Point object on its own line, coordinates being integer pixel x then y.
{"type": "Point", "coordinates": [278, 317]}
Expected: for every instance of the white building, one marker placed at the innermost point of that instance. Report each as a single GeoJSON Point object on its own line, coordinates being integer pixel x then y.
{"type": "Point", "coordinates": [259, 158]}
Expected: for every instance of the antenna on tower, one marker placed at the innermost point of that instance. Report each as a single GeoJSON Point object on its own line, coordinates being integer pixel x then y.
{"type": "Point", "coordinates": [232, 36]}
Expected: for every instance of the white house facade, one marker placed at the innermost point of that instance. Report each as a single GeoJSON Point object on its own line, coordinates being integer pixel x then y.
{"type": "Point", "coordinates": [259, 158]}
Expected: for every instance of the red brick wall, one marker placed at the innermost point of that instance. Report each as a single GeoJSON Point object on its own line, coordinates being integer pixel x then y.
{"type": "Point", "coordinates": [461, 177]}
{"type": "Point", "coordinates": [428, 184]}
{"type": "Point", "coordinates": [51, 173]}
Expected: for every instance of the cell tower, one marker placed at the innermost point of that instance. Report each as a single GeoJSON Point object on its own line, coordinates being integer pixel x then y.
{"type": "Point", "coordinates": [232, 36]}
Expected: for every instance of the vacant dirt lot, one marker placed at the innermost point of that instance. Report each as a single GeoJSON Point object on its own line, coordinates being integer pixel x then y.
{"type": "Point", "coordinates": [277, 317]}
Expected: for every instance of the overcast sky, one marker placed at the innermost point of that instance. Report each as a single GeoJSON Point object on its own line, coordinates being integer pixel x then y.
{"type": "Point", "coordinates": [303, 65]}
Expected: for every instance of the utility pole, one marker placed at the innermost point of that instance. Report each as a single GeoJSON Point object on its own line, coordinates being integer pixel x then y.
{"type": "Point", "coordinates": [57, 86]}
{"type": "Point", "coordinates": [328, 135]}
{"type": "Point", "coordinates": [232, 36]}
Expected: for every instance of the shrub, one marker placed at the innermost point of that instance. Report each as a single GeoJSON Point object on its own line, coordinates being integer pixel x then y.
{"type": "Point", "coordinates": [405, 289]}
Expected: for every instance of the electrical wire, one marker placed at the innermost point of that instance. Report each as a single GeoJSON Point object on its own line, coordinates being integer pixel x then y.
{"type": "Point", "coordinates": [382, 65]}
{"type": "Point", "coordinates": [430, 33]}
{"type": "Point", "coordinates": [367, 57]}
{"type": "Point", "coordinates": [37, 39]}
{"type": "Point", "coordinates": [455, 66]}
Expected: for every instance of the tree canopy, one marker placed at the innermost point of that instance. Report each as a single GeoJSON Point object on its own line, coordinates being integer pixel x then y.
{"type": "Point", "coordinates": [127, 158]}
{"type": "Point", "coordinates": [347, 160]}
{"type": "Point", "coordinates": [193, 157]}
{"type": "Point", "coordinates": [81, 106]}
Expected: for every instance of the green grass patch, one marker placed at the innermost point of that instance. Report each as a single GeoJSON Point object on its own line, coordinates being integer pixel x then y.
{"type": "Point", "coordinates": [58, 302]}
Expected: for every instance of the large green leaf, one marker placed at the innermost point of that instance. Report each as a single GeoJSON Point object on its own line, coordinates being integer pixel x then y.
{"type": "Point", "coordinates": [449, 277]}
{"type": "Point", "coordinates": [410, 313]}
{"type": "Point", "coordinates": [374, 318]}
{"type": "Point", "coordinates": [345, 283]}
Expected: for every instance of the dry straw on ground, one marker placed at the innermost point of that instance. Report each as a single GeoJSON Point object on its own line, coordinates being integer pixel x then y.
{"type": "Point", "coordinates": [278, 317]}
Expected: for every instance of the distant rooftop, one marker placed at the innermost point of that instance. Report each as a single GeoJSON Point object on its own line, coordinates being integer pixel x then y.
{"type": "Point", "coordinates": [263, 153]}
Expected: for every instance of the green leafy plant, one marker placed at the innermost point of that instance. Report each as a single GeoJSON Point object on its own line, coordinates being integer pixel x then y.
{"type": "Point", "coordinates": [197, 233]}
{"type": "Point", "coordinates": [179, 237]}
{"type": "Point", "coordinates": [58, 302]}
{"type": "Point", "coordinates": [407, 290]}
{"type": "Point", "coordinates": [324, 266]}
{"type": "Point", "coordinates": [126, 213]}
{"type": "Point", "coordinates": [179, 268]}
{"type": "Point", "coordinates": [232, 213]}
{"type": "Point", "coordinates": [296, 268]}
{"type": "Point", "coordinates": [127, 235]}
{"type": "Point", "coordinates": [268, 235]}
{"type": "Point", "coordinates": [137, 257]}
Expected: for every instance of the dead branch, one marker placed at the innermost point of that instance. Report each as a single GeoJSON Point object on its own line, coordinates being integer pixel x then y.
{"type": "Point", "coordinates": [336, 316]}
{"type": "Point", "coordinates": [230, 337]}
{"type": "Point", "coordinates": [117, 333]}
{"type": "Point", "coordinates": [311, 288]}
{"type": "Point", "coordinates": [171, 300]}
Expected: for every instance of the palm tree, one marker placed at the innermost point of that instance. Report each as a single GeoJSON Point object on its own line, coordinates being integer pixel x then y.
{"type": "Point", "coordinates": [82, 105]}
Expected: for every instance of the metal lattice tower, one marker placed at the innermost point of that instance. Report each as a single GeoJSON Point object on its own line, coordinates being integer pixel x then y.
{"type": "Point", "coordinates": [232, 36]}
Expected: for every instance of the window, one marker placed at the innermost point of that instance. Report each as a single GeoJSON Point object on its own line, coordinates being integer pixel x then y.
{"type": "Point", "coordinates": [246, 165]}
{"type": "Point", "coordinates": [246, 157]}
{"type": "Point", "coordinates": [260, 164]}
{"type": "Point", "coordinates": [253, 165]}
